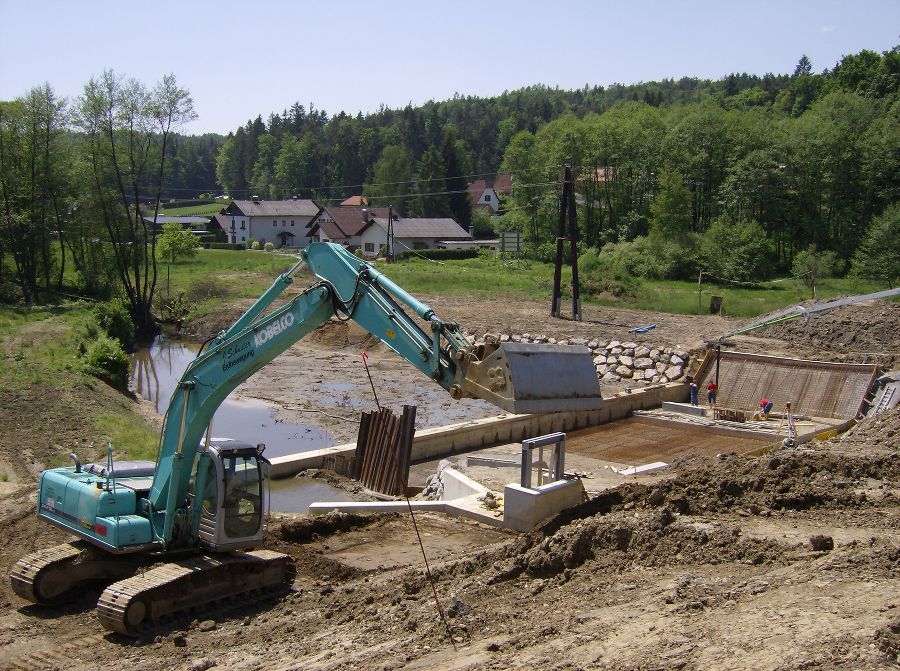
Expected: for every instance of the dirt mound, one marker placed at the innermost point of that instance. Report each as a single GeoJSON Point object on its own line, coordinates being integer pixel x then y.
{"type": "Point", "coordinates": [861, 333]}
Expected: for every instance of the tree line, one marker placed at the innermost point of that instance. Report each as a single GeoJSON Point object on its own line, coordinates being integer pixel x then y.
{"type": "Point", "coordinates": [663, 169]}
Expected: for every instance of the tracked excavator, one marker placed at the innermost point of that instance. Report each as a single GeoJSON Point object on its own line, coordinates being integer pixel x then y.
{"type": "Point", "coordinates": [181, 533]}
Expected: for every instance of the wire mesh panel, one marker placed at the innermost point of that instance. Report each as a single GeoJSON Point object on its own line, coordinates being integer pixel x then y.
{"type": "Point", "coordinates": [816, 388]}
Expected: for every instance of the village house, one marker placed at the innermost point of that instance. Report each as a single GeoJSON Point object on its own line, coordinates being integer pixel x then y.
{"type": "Point", "coordinates": [284, 223]}
{"type": "Point", "coordinates": [366, 228]}
{"type": "Point", "coordinates": [486, 193]}
{"type": "Point", "coordinates": [343, 224]}
{"type": "Point", "coordinates": [412, 233]}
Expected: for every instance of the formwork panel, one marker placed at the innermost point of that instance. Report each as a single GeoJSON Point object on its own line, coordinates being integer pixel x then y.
{"type": "Point", "coordinates": [815, 388]}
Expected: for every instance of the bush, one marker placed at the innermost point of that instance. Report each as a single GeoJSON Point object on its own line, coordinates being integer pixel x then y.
{"type": "Point", "coordinates": [255, 245]}
{"type": "Point", "coordinates": [106, 360]}
{"type": "Point", "coordinates": [598, 275]}
{"type": "Point", "coordinates": [114, 319]}
{"type": "Point", "coordinates": [358, 253]}
{"type": "Point", "coordinates": [878, 255]}
{"type": "Point", "coordinates": [737, 251]}
{"type": "Point", "coordinates": [438, 254]}
{"type": "Point", "coordinates": [270, 247]}
{"type": "Point", "coordinates": [814, 265]}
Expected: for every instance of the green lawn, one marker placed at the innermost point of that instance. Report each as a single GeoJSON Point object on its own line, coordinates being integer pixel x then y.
{"type": "Point", "coordinates": [206, 210]}
{"type": "Point", "coordinates": [487, 277]}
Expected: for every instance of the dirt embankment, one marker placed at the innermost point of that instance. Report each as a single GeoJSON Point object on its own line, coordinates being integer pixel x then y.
{"type": "Point", "coordinates": [782, 562]}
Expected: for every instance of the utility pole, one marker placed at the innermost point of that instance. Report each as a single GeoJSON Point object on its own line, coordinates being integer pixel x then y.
{"type": "Point", "coordinates": [390, 235]}
{"type": "Point", "coordinates": [566, 206]}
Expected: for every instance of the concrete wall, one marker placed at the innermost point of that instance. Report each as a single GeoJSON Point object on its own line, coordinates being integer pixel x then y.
{"type": "Point", "coordinates": [524, 508]}
{"type": "Point", "coordinates": [447, 440]}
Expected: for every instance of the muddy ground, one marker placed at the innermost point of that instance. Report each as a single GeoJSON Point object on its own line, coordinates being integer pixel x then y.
{"type": "Point", "coordinates": [788, 561]}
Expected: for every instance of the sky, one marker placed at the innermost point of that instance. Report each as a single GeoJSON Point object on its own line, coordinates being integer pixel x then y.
{"type": "Point", "coordinates": [240, 60]}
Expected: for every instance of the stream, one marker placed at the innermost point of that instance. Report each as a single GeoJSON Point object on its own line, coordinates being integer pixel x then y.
{"type": "Point", "coordinates": [155, 371]}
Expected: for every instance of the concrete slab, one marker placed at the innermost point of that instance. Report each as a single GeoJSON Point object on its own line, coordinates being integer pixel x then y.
{"type": "Point", "coordinates": [645, 468]}
{"type": "Point", "coordinates": [684, 408]}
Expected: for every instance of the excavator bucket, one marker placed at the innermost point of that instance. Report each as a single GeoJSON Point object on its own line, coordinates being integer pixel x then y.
{"type": "Point", "coordinates": [529, 378]}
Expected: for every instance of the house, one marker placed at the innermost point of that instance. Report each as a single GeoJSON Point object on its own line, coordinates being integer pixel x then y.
{"type": "Point", "coordinates": [343, 224]}
{"type": "Point", "coordinates": [410, 234]}
{"type": "Point", "coordinates": [486, 193]}
{"type": "Point", "coordinates": [284, 223]}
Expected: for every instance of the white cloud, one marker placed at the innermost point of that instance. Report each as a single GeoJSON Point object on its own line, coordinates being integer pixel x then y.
{"type": "Point", "coordinates": [826, 29]}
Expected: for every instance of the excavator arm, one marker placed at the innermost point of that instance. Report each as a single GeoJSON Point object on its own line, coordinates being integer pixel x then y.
{"type": "Point", "coordinates": [516, 377]}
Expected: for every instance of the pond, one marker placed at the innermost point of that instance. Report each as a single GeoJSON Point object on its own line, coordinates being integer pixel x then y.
{"type": "Point", "coordinates": [155, 371]}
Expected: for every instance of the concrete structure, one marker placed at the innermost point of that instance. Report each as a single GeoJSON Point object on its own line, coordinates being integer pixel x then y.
{"type": "Point", "coordinates": [447, 440]}
{"type": "Point", "coordinates": [284, 223]}
{"type": "Point", "coordinates": [526, 507]}
{"type": "Point", "coordinates": [816, 388]}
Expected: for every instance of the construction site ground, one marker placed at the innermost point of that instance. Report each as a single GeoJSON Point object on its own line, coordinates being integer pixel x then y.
{"type": "Point", "coordinates": [785, 561]}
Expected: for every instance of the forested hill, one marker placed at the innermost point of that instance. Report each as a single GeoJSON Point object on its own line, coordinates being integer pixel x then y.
{"type": "Point", "coordinates": [302, 150]}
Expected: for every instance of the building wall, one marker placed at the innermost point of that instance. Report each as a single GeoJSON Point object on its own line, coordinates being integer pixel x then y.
{"type": "Point", "coordinates": [263, 230]}
{"type": "Point", "coordinates": [371, 239]}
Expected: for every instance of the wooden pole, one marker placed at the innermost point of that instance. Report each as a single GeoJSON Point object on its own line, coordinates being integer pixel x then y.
{"type": "Point", "coordinates": [560, 239]}
{"type": "Point", "coordinates": [573, 246]}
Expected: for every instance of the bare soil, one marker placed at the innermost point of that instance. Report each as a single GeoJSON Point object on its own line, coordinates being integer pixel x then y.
{"type": "Point", "coordinates": [787, 561]}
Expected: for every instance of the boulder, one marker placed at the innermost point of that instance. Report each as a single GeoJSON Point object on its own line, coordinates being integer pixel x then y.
{"type": "Point", "coordinates": [674, 372]}
{"type": "Point", "coordinates": [643, 363]}
{"type": "Point", "coordinates": [654, 354]}
{"type": "Point", "coordinates": [641, 351]}
{"type": "Point", "coordinates": [624, 371]}
{"type": "Point", "coordinates": [599, 360]}
{"type": "Point", "coordinates": [609, 377]}
{"type": "Point", "coordinates": [630, 345]}
{"type": "Point", "coordinates": [615, 351]}
{"type": "Point", "coordinates": [637, 375]}
{"type": "Point", "coordinates": [579, 341]}
{"type": "Point", "coordinates": [551, 340]}
{"type": "Point", "coordinates": [681, 353]}
{"type": "Point", "coordinates": [593, 344]}
{"type": "Point", "coordinates": [628, 351]}
{"type": "Point", "coordinates": [611, 359]}
{"type": "Point", "coordinates": [626, 361]}
{"type": "Point", "coordinates": [676, 360]}
{"type": "Point", "coordinates": [504, 338]}
{"type": "Point", "coordinates": [517, 338]}
{"type": "Point", "coordinates": [661, 366]}
{"type": "Point", "coordinates": [613, 343]}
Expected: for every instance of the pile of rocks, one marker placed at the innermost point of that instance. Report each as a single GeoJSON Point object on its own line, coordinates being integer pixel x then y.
{"type": "Point", "coordinates": [622, 361]}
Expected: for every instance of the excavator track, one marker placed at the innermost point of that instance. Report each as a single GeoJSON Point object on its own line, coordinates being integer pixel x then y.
{"type": "Point", "coordinates": [133, 605]}
{"type": "Point", "coordinates": [51, 575]}
{"type": "Point", "coordinates": [39, 577]}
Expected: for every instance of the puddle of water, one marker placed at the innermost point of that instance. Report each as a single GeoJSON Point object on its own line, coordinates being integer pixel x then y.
{"type": "Point", "coordinates": [155, 371]}
{"type": "Point", "coordinates": [293, 495]}
{"type": "Point", "coordinates": [339, 387]}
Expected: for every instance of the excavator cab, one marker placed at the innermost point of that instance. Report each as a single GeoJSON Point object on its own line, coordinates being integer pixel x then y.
{"type": "Point", "coordinates": [232, 492]}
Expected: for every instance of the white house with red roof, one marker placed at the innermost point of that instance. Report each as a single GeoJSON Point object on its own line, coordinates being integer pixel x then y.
{"type": "Point", "coordinates": [284, 223]}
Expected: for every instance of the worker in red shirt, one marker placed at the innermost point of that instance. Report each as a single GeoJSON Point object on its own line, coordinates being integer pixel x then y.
{"type": "Point", "coordinates": [711, 390]}
{"type": "Point", "coordinates": [765, 407]}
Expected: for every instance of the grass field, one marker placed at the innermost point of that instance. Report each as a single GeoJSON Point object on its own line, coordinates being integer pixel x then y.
{"type": "Point", "coordinates": [486, 277]}
{"type": "Point", "coordinates": [207, 210]}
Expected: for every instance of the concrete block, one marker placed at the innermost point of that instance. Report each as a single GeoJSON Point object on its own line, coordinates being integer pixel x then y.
{"type": "Point", "coordinates": [684, 408]}
{"type": "Point", "coordinates": [524, 508]}
{"type": "Point", "coordinates": [322, 507]}
{"type": "Point", "coordinates": [642, 469]}
{"type": "Point", "coordinates": [457, 485]}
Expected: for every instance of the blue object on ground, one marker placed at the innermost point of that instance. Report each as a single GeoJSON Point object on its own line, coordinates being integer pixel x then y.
{"type": "Point", "coordinates": [642, 329]}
